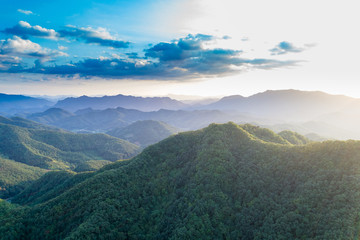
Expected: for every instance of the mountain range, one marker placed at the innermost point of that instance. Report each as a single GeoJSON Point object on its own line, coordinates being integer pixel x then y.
{"type": "Point", "coordinates": [329, 116]}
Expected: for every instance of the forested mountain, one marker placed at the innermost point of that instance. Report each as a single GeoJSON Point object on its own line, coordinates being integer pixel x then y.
{"type": "Point", "coordinates": [12, 104]}
{"type": "Point", "coordinates": [130, 102]}
{"type": "Point", "coordinates": [105, 120]}
{"type": "Point", "coordinates": [144, 133]}
{"type": "Point", "coordinates": [223, 182]}
{"type": "Point", "coordinates": [50, 149]}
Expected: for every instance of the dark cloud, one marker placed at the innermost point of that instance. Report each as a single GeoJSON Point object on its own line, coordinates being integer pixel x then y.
{"type": "Point", "coordinates": [285, 47]}
{"type": "Point", "coordinates": [133, 55]}
{"type": "Point", "coordinates": [24, 30]}
{"type": "Point", "coordinates": [184, 58]}
{"type": "Point", "coordinates": [98, 36]}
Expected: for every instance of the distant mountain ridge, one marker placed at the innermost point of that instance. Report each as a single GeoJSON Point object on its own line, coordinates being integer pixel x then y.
{"type": "Point", "coordinates": [131, 102]}
{"type": "Point", "coordinates": [330, 116]}
{"type": "Point", "coordinates": [279, 104]}
{"type": "Point", "coordinates": [108, 119]}
{"type": "Point", "coordinates": [11, 104]}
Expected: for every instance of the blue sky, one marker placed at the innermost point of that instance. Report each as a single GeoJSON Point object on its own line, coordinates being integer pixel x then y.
{"type": "Point", "coordinates": [184, 47]}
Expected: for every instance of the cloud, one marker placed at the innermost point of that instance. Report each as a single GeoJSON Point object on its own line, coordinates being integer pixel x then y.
{"type": "Point", "coordinates": [184, 58]}
{"type": "Point", "coordinates": [14, 49]}
{"type": "Point", "coordinates": [18, 45]}
{"type": "Point", "coordinates": [7, 61]}
{"type": "Point", "coordinates": [181, 49]}
{"type": "Point", "coordinates": [24, 30]}
{"type": "Point", "coordinates": [285, 47]}
{"type": "Point", "coordinates": [62, 47]}
{"type": "Point", "coordinates": [27, 12]}
{"type": "Point", "coordinates": [98, 36]}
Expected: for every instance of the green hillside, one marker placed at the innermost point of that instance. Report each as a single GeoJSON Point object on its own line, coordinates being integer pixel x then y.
{"type": "Point", "coordinates": [49, 149]}
{"type": "Point", "coordinates": [15, 176]}
{"type": "Point", "coordinates": [144, 133]}
{"type": "Point", "coordinates": [222, 182]}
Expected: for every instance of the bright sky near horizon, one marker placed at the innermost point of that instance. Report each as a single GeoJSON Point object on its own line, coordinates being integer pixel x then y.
{"type": "Point", "coordinates": [182, 47]}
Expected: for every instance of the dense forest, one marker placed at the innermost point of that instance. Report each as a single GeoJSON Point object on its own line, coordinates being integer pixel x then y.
{"type": "Point", "coordinates": [223, 182]}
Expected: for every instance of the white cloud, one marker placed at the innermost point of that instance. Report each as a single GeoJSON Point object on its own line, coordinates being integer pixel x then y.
{"type": "Point", "coordinates": [100, 32]}
{"type": "Point", "coordinates": [17, 46]}
{"type": "Point", "coordinates": [27, 12]}
{"type": "Point", "coordinates": [100, 36]}
{"type": "Point", "coordinates": [62, 47]}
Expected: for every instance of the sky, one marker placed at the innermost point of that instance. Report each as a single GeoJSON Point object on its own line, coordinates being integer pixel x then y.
{"type": "Point", "coordinates": [178, 47]}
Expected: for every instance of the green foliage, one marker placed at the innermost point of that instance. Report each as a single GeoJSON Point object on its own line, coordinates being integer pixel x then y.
{"type": "Point", "coordinates": [144, 133]}
{"type": "Point", "coordinates": [14, 177]}
{"type": "Point", "coordinates": [221, 182]}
